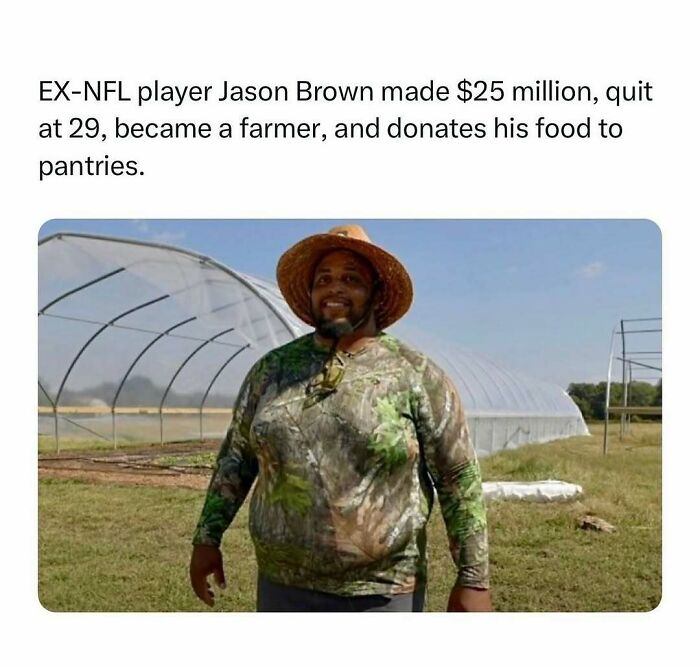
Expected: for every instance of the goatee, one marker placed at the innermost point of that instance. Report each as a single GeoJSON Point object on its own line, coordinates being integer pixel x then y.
{"type": "Point", "coordinates": [334, 328]}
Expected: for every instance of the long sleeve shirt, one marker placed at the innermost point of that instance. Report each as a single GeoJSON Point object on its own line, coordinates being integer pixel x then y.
{"type": "Point", "coordinates": [346, 450]}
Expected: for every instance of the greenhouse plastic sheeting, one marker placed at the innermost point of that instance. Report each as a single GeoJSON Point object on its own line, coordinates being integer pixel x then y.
{"type": "Point", "coordinates": [505, 409]}
{"type": "Point", "coordinates": [144, 342]}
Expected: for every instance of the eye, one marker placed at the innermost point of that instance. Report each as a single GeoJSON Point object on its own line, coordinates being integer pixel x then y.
{"type": "Point", "coordinates": [352, 279]}
{"type": "Point", "coordinates": [322, 280]}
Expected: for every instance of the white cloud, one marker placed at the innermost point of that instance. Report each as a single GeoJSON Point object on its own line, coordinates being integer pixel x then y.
{"type": "Point", "coordinates": [168, 237]}
{"type": "Point", "coordinates": [141, 226]}
{"type": "Point", "coordinates": [151, 234]}
{"type": "Point", "coordinates": [590, 271]}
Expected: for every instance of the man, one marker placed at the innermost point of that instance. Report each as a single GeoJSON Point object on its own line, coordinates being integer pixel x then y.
{"type": "Point", "coordinates": [347, 431]}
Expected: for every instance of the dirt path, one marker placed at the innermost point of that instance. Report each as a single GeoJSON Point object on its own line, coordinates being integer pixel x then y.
{"type": "Point", "coordinates": [134, 467]}
{"type": "Point", "coordinates": [185, 481]}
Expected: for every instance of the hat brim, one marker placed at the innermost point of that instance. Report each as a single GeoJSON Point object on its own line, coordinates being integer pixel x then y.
{"type": "Point", "coordinates": [296, 267]}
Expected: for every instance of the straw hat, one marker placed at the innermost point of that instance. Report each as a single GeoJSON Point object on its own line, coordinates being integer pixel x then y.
{"type": "Point", "coordinates": [295, 272]}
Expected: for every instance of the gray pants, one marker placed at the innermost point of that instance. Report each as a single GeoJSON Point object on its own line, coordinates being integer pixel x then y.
{"type": "Point", "coordinates": [276, 597]}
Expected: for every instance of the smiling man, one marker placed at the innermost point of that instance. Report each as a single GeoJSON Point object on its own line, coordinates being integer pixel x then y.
{"type": "Point", "coordinates": [341, 297]}
{"type": "Point", "coordinates": [348, 433]}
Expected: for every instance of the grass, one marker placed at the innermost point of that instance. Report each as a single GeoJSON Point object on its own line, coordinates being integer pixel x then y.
{"type": "Point", "coordinates": [118, 548]}
{"type": "Point", "coordinates": [47, 444]}
{"type": "Point", "coordinates": [204, 459]}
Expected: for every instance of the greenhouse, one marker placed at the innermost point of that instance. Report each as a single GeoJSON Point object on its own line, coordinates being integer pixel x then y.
{"type": "Point", "coordinates": [143, 342]}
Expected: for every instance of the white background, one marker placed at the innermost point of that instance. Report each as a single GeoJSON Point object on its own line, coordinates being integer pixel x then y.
{"type": "Point", "coordinates": [651, 173]}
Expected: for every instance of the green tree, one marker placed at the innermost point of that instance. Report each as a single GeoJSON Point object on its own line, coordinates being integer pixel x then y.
{"type": "Point", "coordinates": [590, 397]}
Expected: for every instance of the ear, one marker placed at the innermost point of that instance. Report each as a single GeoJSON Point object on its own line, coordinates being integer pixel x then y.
{"type": "Point", "coordinates": [375, 294]}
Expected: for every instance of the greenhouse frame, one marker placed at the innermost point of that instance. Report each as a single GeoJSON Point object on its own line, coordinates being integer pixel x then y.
{"type": "Point", "coordinates": [146, 342]}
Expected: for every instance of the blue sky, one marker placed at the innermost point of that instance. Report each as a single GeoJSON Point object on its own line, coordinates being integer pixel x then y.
{"type": "Point", "coordinates": [541, 296]}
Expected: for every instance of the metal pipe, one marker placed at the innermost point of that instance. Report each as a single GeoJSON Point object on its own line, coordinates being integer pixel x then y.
{"type": "Point", "coordinates": [202, 258]}
{"type": "Point", "coordinates": [643, 331]}
{"type": "Point", "coordinates": [55, 429]}
{"type": "Point", "coordinates": [623, 417]}
{"type": "Point", "coordinates": [46, 393]}
{"type": "Point", "coordinates": [162, 334]}
{"type": "Point", "coordinates": [128, 328]}
{"type": "Point", "coordinates": [158, 337]}
{"type": "Point", "coordinates": [177, 372]}
{"type": "Point", "coordinates": [629, 391]}
{"type": "Point", "coordinates": [136, 360]}
{"type": "Point", "coordinates": [607, 390]}
{"type": "Point", "coordinates": [79, 288]}
{"type": "Point", "coordinates": [639, 363]}
{"type": "Point", "coordinates": [89, 341]}
{"type": "Point", "coordinates": [55, 415]}
{"type": "Point", "coordinates": [211, 384]}
{"type": "Point", "coordinates": [84, 428]}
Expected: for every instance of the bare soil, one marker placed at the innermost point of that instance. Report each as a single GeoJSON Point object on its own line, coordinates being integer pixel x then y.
{"type": "Point", "coordinates": [132, 467]}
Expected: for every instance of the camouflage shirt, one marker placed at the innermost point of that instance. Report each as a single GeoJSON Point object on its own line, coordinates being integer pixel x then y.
{"type": "Point", "coordinates": [346, 449]}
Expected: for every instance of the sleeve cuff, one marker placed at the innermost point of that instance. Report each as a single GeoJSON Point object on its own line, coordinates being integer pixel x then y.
{"type": "Point", "coordinates": [472, 558]}
{"type": "Point", "coordinates": [203, 536]}
{"type": "Point", "coordinates": [476, 576]}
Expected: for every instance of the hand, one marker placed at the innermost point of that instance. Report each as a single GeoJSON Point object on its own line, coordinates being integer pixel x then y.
{"type": "Point", "coordinates": [469, 599]}
{"type": "Point", "coordinates": [206, 560]}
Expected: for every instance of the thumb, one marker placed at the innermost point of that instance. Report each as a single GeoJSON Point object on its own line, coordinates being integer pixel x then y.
{"type": "Point", "coordinates": [219, 577]}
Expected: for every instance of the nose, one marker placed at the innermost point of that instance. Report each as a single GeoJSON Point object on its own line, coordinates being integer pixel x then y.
{"type": "Point", "coordinates": [335, 286]}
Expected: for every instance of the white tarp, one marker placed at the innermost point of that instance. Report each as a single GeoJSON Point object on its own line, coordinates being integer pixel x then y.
{"type": "Point", "coordinates": [546, 491]}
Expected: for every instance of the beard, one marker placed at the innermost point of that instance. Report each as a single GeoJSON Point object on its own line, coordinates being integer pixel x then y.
{"type": "Point", "coordinates": [334, 328]}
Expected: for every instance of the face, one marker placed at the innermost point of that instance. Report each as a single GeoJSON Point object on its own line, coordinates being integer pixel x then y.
{"type": "Point", "coordinates": [340, 292]}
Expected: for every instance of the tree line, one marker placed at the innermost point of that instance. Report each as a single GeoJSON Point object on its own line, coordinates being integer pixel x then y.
{"type": "Point", "coordinates": [137, 391]}
{"type": "Point", "coordinates": [590, 397]}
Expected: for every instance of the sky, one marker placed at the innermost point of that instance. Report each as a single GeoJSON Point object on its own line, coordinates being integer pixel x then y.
{"type": "Point", "coordinates": [541, 296]}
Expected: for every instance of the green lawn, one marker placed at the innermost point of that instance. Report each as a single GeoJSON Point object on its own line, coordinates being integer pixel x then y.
{"type": "Point", "coordinates": [118, 548]}
{"type": "Point", "coordinates": [47, 444]}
